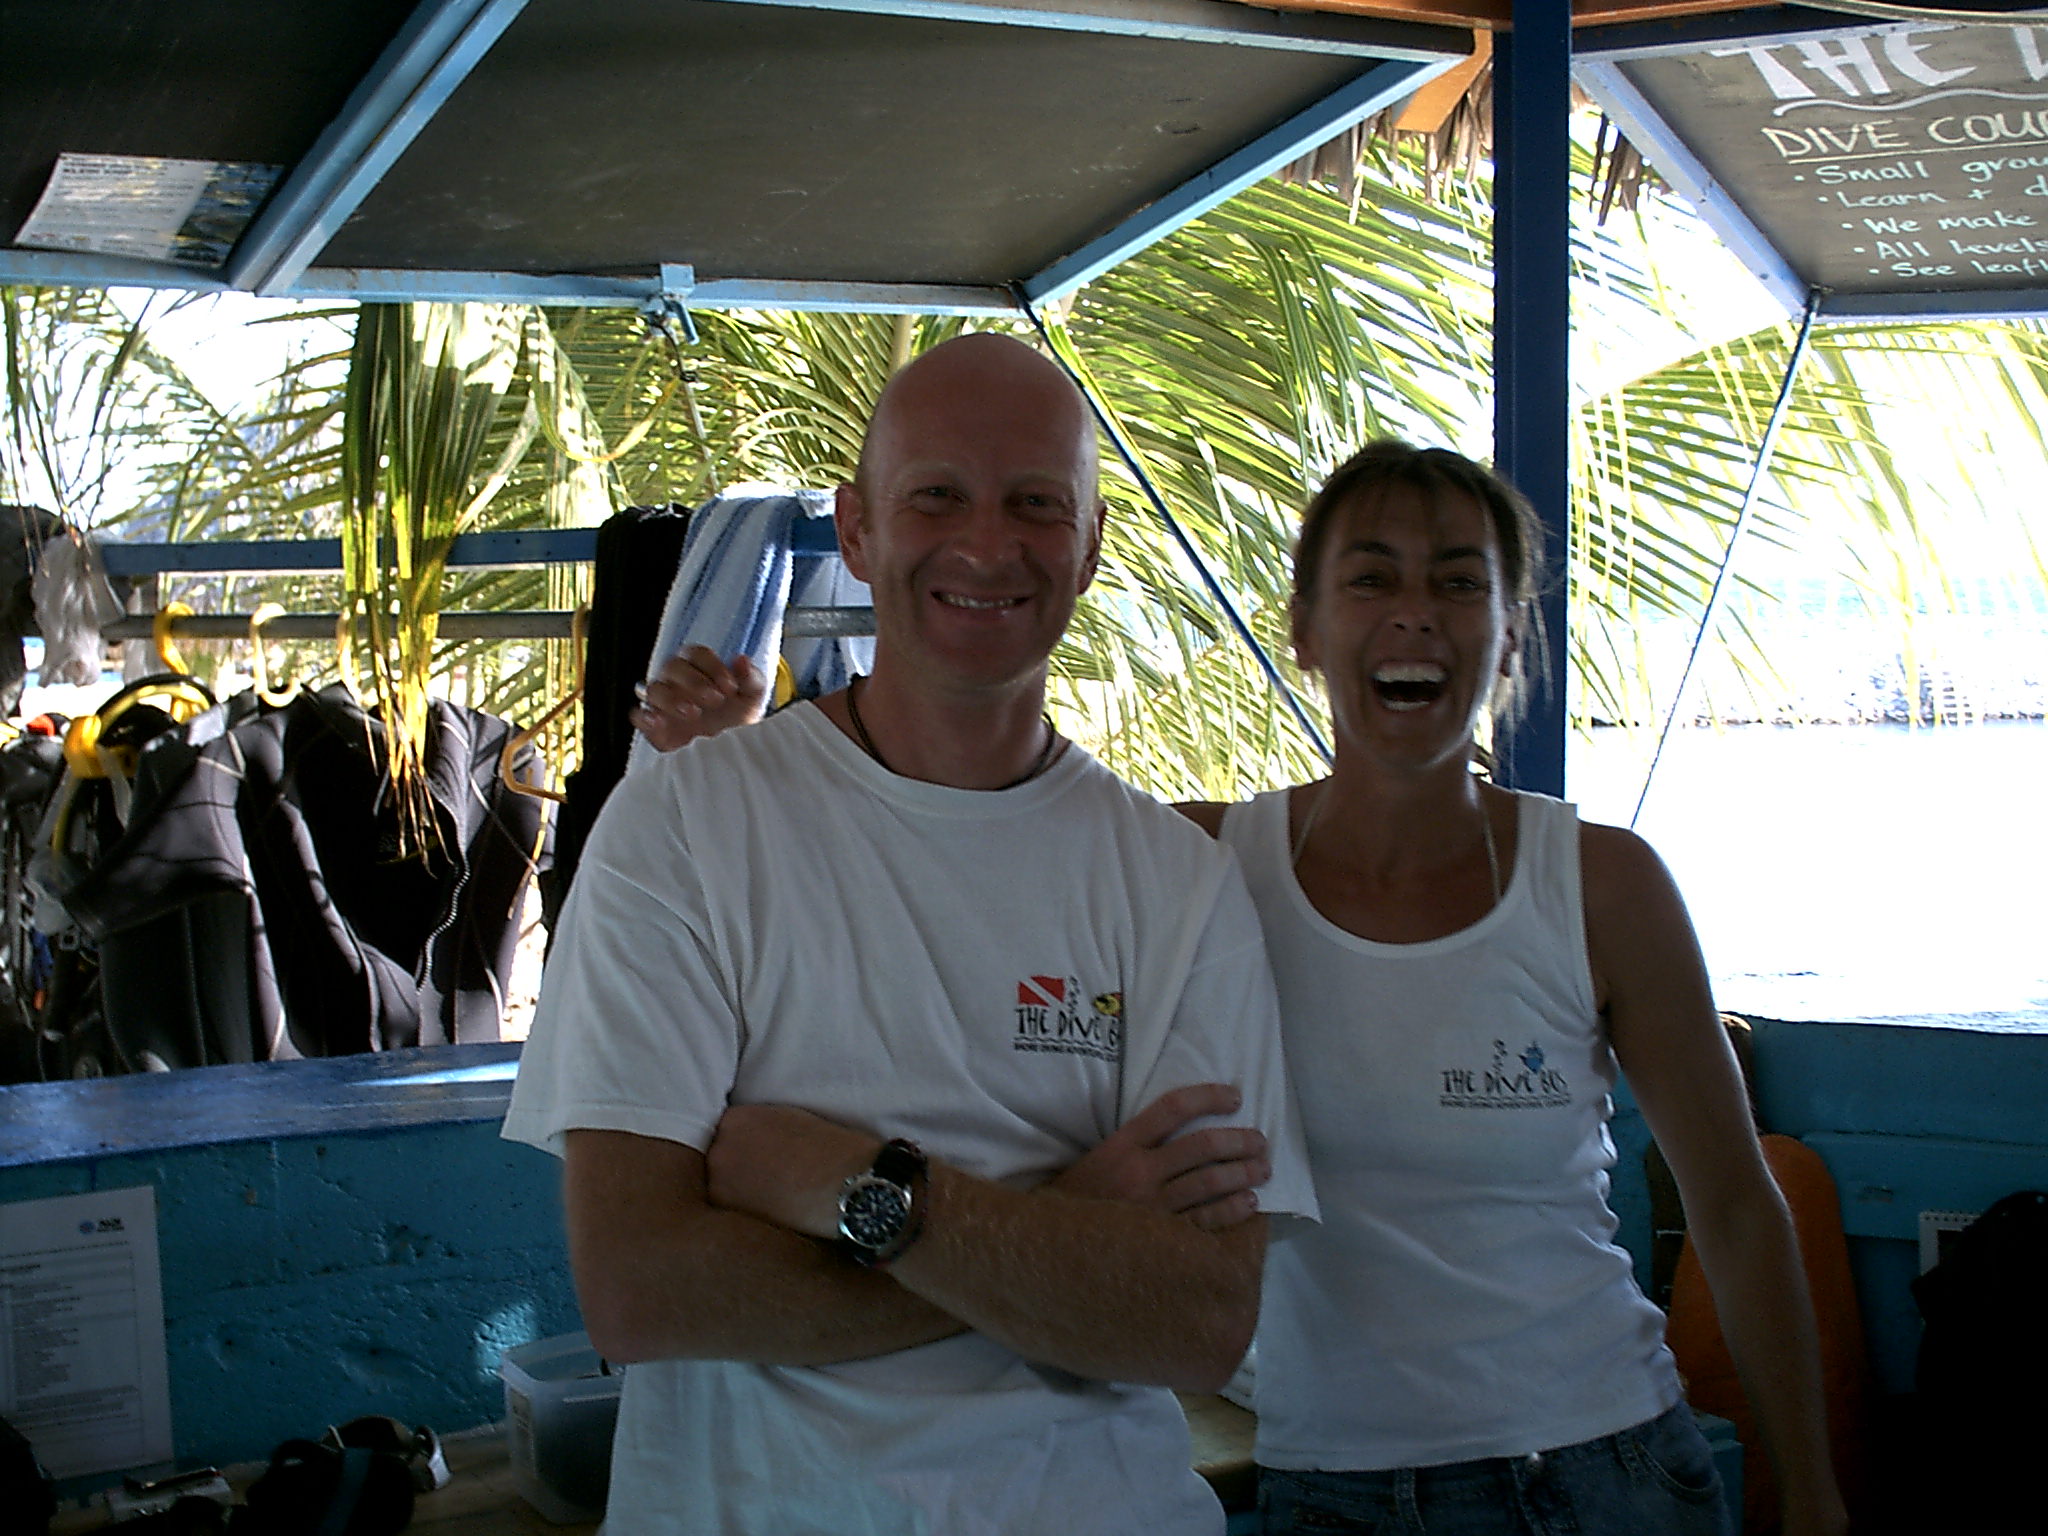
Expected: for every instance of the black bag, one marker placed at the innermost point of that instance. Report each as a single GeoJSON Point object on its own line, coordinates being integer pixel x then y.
{"type": "Point", "coordinates": [637, 554]}
{"type": "Point", "coordinates": [1983, 1359]}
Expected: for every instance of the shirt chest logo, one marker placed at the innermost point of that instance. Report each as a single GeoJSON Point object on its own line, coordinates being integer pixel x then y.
{"type": "Point", "coordinates": [1057, 1016]}
{"type": "Point", "coordinates": [1523, 1080]}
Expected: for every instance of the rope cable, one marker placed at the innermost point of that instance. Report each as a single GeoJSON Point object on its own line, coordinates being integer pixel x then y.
{"type": "Point", "coordinates": [1180, 536]}
{"type": "Point", "coordinates": [1756, 476]}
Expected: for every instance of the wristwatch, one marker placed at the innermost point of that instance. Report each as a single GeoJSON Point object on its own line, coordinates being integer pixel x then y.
{"type": "Point", "coordinates": [880, 1211]}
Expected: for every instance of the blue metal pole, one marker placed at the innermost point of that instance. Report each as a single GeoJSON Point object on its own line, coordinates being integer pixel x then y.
{"type": "Point", "coordinates": [1532, 65]}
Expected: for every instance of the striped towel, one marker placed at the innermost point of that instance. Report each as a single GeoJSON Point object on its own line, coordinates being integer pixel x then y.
{"type": "Point", "coordinates": [734, 582]}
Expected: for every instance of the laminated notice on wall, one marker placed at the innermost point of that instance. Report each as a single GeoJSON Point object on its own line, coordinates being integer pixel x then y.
{"type": "Point", "coordinates": [82, 1365]}
{"type": "Point", "coordinates": [188, 211]}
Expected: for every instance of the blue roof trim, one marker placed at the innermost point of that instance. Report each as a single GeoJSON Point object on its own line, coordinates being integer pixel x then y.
{"type": "Point", "coordinates": [429, 59]}
{"type": "Point", "coordinates": [1676, 162]}
{"type": "Point", "coordinates": [1994, 304]}
{"type": "Point", "coordinates": [853, 298]}
{"type": "Point", "coordinates": [1184, 21]}
{"type": "Point", "coordinates": [79, 269]}
{"type": "Point", "coordinates": [1359, 99]}
{"type": "Point", "coordinates": [374, 286]}
{"type": "Point", "coordinates": [811, 536]}
{"type": "Point", "coordinates": [397, 287]}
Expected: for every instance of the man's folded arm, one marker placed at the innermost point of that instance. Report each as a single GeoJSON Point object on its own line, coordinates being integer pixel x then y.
{"type": "Point", "coordinates": [1099, 1287]}
{"type": "Point", "coordinates": [662, 1274]}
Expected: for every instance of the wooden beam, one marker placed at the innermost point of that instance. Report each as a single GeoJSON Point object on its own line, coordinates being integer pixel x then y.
{"type": "Point", "coordinates": [1487, 14]}
{"type": "Point", "coordinates": [1494, 15]}
{"type": "Point", "coordinates": [1429, 108]}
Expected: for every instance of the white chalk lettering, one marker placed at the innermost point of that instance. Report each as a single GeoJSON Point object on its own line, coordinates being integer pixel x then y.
{"type": "Point", "coordinates": [2033, 266]}
{"type": "Point", "coordinates": [1984, 170]}
{"type": "Point", "coordinates": [1888, 199]}
{"type": "Point", "coordinates": [1997, 218]}
{"type": "Point", "coordinates": [2030, 52]}
{"type": "Point", "coordinates": [1901, 170]}
{"type": "Point", "coordinates": [2020, 247]}
{"type": "Point", "coordinates": [1785, 85]}
{"type": "Point", "coordinates": [1904, 53]}
{"type": "Point", "coordinates": [1988, 127]}
{"type": "Point", "coordinates": [1837, 58]}
{"type": "Point", "coordinates": [1799, 143]}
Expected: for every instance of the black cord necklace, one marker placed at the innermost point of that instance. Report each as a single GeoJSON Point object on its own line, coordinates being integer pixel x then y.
{"type": "Point", "coordinates": [867, 742]}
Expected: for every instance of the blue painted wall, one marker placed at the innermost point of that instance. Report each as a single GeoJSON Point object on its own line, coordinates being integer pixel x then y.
{"type": "Point", "coordinates": [346, 1237]}
{"type": "Point", "coordinates": [352, 1236]}
{"type": "Point", "coordinates": [1907, 1118]}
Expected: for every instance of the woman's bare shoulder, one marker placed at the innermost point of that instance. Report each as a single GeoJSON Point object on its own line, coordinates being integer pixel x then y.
{"type": "Point", "coordinates": [1631, 900]}
{"type": "Point", "coordinates": [1617, 862]}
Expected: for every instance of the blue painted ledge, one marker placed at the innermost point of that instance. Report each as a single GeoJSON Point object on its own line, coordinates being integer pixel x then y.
{"type": "Point", "coordinates": [213, 1106]}
{"type": "Point", "coordinates": [338, 1237]}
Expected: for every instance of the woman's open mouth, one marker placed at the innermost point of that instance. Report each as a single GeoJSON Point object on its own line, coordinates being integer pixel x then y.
{"type": "Point", "coordinates": [1405, 685]}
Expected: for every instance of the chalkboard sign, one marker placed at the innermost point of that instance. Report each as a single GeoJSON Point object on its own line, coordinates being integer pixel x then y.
{"type": "Point", "coordinates": [1875, 160]}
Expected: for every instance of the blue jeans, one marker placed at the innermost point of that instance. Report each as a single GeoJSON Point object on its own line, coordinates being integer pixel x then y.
{"type": "Point", "coordinates": [1655, 1479]}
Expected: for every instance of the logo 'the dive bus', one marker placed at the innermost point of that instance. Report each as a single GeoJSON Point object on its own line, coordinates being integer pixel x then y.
{"type": "Point", "coordinates": [1055, 1014]}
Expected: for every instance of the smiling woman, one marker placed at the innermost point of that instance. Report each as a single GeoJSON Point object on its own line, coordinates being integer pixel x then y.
{"type": "Point", "coordinates": [1462, 971]}
{"type": "Point", "coordinates": [1412, 562]}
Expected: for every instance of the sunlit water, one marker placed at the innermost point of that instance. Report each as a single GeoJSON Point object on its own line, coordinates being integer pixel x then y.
{"type": "Point", "coordinates": [1855, 872]}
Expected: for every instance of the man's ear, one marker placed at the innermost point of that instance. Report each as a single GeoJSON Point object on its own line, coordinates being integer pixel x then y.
{"type": "Point", "coordinates": [1092, 561]}
{"type": "Point", "coordinates": [849, 518]}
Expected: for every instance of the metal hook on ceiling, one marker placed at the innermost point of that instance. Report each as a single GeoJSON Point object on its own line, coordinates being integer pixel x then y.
{"type": "Point", "coordinates": [668, 311]}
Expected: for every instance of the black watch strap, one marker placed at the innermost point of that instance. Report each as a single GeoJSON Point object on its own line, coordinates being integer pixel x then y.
{"type": "Point", "coordinates": [900, 1162]}
{"type": "Point", "coordinates": [901, 1166]}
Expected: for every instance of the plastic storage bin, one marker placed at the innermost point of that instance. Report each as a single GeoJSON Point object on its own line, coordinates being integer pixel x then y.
{"type": "Point", "coordinates": [560, 1408]}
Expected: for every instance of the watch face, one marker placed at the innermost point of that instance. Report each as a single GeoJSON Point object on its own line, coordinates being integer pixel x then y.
{"type": "Point", "coordinates": [872, 1212]}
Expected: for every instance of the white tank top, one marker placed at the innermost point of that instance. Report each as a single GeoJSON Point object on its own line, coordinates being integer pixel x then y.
{"type": "Point", "coordinates": [1463, 1295]}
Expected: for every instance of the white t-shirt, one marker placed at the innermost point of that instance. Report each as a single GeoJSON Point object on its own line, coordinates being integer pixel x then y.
{"type": "Point", "coordinates": [771, 917]}
{"type": "Point", "coordinates": [1463, 1295]}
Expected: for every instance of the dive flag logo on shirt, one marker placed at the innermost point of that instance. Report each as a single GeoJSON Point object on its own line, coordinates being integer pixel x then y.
{"type": "Point", "coordinates": [1042, 992]}
{"type": "Point", "coordinates": [1056, 1017]}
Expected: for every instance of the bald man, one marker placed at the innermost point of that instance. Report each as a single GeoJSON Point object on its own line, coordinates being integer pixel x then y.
{"type": "Point", "coordinates": [863, 1034]}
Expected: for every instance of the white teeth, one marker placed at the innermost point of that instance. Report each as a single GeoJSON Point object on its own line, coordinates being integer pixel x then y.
{"type": "Point", "coordinates": [1411, 672]}
{"type": "Point", "coordinates": [1394, 679]}
{"type": "Point", "coordinates": [957, 601]}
